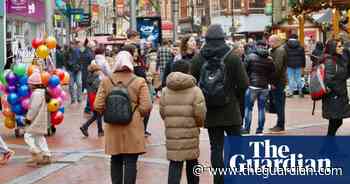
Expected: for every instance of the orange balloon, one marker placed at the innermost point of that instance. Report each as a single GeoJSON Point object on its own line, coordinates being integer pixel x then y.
{"type": "Point", "coordinates": [10, 123]}
{"type": "Point", "coordinates": [66, 79]}
{"type": "Point", "coordinates": [51, 42]}
{"type": "Point", "coordinates": [8, 113]}
{"type": "Point", "coordinates": [45, 77]}
{"type": "Point", "coordinates": [31, 69]}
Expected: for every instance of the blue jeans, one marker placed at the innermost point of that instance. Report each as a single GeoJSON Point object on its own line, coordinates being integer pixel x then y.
{"type": "Point", "coordinates": [250, 96]}
{"type": "Point", "coordinates": [75, 78]}
{"type": "Point", "coordinates": [279, 97]}
{"type": "Point", "coordinates": [295, 82]}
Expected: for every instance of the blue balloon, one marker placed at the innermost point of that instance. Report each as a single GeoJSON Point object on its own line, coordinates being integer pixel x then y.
{"type": "Point", "coordinates": [20, 120]}
{"type": "Point", "coordinates": [23, 91]}
{"type": "Point", "coordinates": [23, 80]}
{"type": "Point", "coordinates": [17, 109]}
{"type": "Point", "coordinates": [61, 109]}
{"type": "Point", "coordinates": [12, 98]}
{"type": "Point", "coordinates": [54, 81]}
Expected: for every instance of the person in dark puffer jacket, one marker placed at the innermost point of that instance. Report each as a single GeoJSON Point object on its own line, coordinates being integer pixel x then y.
{"type": "Point", "coordinates": [295, 64]}
{"type": "Point", "coordinates": [260, 69]}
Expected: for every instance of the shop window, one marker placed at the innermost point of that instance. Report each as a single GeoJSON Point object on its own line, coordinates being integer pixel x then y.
{"type": "Point", "coordinates": [237, 4]}
{"type": "Point", "coordinates": [256, 4]}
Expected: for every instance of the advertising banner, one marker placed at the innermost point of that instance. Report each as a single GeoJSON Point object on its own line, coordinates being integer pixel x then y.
{"type": "Point", "coordinates": [287, 160]}
{"type": "Point", "coordinates": [28, 10]}
{"type": "Point", "coordinates": [150, 29]}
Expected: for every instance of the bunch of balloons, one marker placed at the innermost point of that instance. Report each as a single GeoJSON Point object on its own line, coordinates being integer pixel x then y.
{"type": "Point", "coordinates": [16, 95]}
{"type": "Point", "coordinates": [43, 46]}
{"type": "Point", "coordinates": [58, 96]}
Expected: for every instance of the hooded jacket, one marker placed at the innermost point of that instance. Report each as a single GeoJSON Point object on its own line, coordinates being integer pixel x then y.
{"type": "Point", "coordinates": [101, 61]}
{"type": "Point", "coordinates": [295, 54]}
{"type": "Point", "coordinates": [182, 106]}
{"type": "Point", "coordinates": [260, 68]}
{"type": "Point", "coordinates": [235, 85]}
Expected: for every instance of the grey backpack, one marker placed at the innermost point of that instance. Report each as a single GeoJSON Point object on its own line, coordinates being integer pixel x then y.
{"type": "Point", "coordinates": [119, 105]}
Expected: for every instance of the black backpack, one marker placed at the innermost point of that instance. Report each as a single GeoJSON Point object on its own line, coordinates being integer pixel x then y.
{"type": "Point", "coordinates": [118, 104]}
{"type": "Point", "coordinates": [212, 82]}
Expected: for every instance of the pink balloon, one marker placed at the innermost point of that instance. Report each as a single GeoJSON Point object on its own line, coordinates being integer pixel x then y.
{"type": "Point", "coordinates": [2, 88]}
{"type": "Point", "coordinates": [60, 100]}
{"type": "Point", "coordinates": [25, 103]}
{"type": "Point", "coordinates": [55, 92]}
{"type": "Point", "coordinates": [64, 95]}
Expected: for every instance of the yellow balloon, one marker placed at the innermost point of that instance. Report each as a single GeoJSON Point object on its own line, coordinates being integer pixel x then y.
{"type": "Point", "coordinates": [51, 42]}
{"type": "Point", "coordinates": [53, 105]}
{"type": "Point", "coordinates": [9, 123]}
{"type": "Point", "coordinates": [42, 51]}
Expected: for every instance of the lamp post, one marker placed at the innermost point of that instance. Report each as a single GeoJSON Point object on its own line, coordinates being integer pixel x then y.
{"type": "Point", "coordinates": [233, 19]}
{"type": "Point", "coordinates": [192, 16]}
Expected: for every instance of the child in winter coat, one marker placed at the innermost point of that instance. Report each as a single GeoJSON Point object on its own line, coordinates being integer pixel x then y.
{"type": "Point", "coordinates": [183, 108]}
{"type": "Point", "coordinates": [93, 83]}
{"type": "Point", "coordinates": [5, 151]}
{"type": "Point", "coordinates": [37, 122]}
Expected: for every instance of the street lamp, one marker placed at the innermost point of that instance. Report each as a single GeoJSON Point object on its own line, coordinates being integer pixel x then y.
{"type": "Point", "coordinates": [192, 15]}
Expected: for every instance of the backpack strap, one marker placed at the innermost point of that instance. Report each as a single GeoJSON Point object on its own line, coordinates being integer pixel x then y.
{"type": "Point", "coordinates": [130, 81]}
{"type": "Point", "coordinates": [226, 55]}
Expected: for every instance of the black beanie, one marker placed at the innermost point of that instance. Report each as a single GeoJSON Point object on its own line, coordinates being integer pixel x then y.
{"type": "Point", "coordinates": [215, 32]}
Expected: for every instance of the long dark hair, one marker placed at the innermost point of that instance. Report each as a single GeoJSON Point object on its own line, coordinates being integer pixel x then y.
{"type": "Point", "coordinates": [331, 47]}
{"type": "Point", "coordinates": [184, 45]}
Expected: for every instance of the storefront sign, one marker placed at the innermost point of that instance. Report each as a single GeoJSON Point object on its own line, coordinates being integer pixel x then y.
{"type": "Point", "coordinates": [29, 10]}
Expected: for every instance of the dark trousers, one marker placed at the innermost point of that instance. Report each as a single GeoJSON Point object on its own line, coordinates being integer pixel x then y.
{"type": "Point", "coordinates": [87, 106]}
{"type": "Point", "coordinates": [145, 122]}
{"type": "Point", "coordinates": [334, 125]}
{"type": "Point", "coordinates": [175, 171]}
{"type": "Point", "coordinates": [96, 117]}
{"type": "Point", "coordinates": [279, 97]}
{"type": "Point", "coordinates": [123, 168]}
{"type": "Point", "coordinates": [216, 137]}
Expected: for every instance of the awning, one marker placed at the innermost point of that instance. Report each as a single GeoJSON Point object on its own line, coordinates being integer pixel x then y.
{"type": "Point", "coordinates": [252, 23]}
{"type": "Point", "coordinates": [323, 16]}
{"type": "Point", "coordinates": [167, 26]}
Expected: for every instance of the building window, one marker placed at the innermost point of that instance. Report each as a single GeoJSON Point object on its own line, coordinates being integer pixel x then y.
{"type": "Point", "coordinates": [19, 28]}
{"type": "Point", "coordinates": [256, 4]}
{"type": "Point", "coordinates": [184, 8]}
{"type": "Point", "coordinates": [237, 4]}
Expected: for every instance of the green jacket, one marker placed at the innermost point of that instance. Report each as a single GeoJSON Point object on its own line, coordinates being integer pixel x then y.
{"type": "Point", "coordinates": [237, 83]}
{"type": "Point", "coordinates": [279, 56]}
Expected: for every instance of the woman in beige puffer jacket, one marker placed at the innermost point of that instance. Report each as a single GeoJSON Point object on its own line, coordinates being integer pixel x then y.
{"type": "Point", "coordinates": [182, 106]}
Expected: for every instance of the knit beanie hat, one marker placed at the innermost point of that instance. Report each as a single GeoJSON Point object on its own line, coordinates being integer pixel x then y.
{"type": "Point", "coordinates": [215, 32]}
{"type": "Point", "coordinates": [35, 79]}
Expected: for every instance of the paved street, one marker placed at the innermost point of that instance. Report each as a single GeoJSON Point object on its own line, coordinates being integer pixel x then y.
{"type": "Point", "coordinates": [82, 160]}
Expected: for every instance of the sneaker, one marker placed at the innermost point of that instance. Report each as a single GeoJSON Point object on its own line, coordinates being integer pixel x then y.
{"type": "Point", "coordinates": [259, 131]}
{"type": "Point", "coordinates": [147, 134]}
{"type": "Point", "coordinates": [289, 95]}
{"type": "Point", "coordinates": [277, 129]}
{"type": "Point", "coordinates": [34, 160]}
{"type": "Point", "coordinates": [101, 134]}
{"type": "Point", "coordinates": [45, 160]}
{"type": "Point", "coordinates": [245, 131]}
{"type": "Point", "coordinates": [84, 131]}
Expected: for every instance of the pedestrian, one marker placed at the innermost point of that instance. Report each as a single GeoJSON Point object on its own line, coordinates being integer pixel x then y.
{"type": "Point", "coordinates": [93, 83]}
{"type": "Point", "coordinates": [9, 57]}
{"type": "Point", "coordinates": [37, 122]}
{"type": "Point", "coordinates": [74, 68]}
{"type": "Point", "coordinates": [169, 66]}
{"type": "Point", "coordinates": [125, 142]}
{"type": "Point", "coordinates": [5, 152]}
{"type": "Point", "coordinates": [260, 70]}
{"type": "Point", "coordinates": [279, 58]}
{"type": "Point", "coordinates": [164, 56]}
{"type": "Point", "coordinates": [100, 60]}
{"type": "Point", "coordinates": [296, 62]}
{"type": "Point", "coordinates": [86, 58]}
{"type": "Point", "coordinates": [59, 55]}
{"type": "Point", "coordinates": [188, 48]}
{"type": "Point", "coordinates": [335, 105]}
{"type": "Point", "coordinates": [317, 53]}
{"type": "Point", "coordinates": [183, 109]}
{"type": "Point", "coordinates": [223, 115]}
